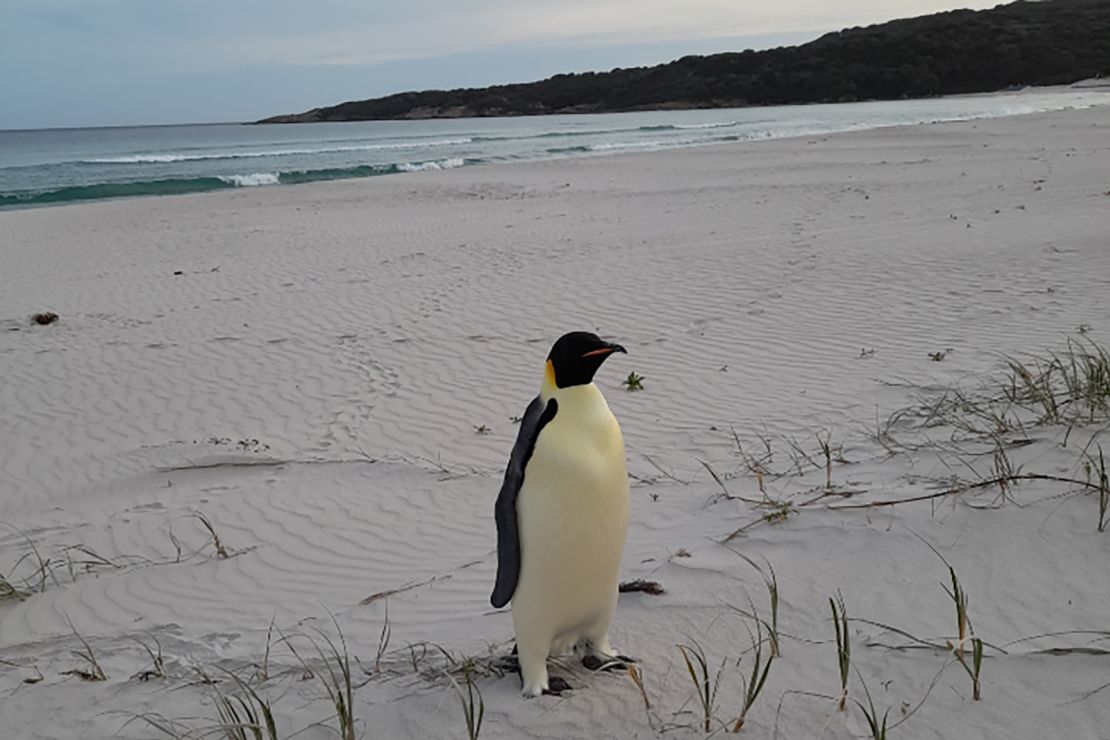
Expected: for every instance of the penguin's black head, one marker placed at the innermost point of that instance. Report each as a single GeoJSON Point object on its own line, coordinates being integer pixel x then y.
{"type": "Point", "coordinates": [575, 357]}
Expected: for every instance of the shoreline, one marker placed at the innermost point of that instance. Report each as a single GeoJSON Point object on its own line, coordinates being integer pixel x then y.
{"type": "Point", "coordinates": [181, 184]}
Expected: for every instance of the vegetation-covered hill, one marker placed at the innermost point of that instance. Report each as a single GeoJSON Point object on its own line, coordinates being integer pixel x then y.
{"type": "Point", "coordinates": [961, 51]}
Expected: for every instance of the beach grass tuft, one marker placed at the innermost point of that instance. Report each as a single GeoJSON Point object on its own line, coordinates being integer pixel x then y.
{"type": "Point", "coordinates": [1097, 469]}
{"type": "Point", "coordinates": [963, 623]}
{"type": "Point", "coordinates": [383, 639]}
{"type": "Point", "coordinates": [1070, 386]}
{"type": "Point", "coordinates": [92, 670]}
{"type": "Point", "coordinates": [8, 590]}
{"type": "Point", "coordinates": [824, 441]}
{"type": "Point", "coordinates": [221, 551]}
{"type": "Point", "coordinates": [753, 684]}
{"type": "Point", "coordinates": [263, 671]}
{"type": "Point", "coordinates": [706, 685]}
{"type": "Point", "coordinates": [473, 705]}
{"type": "Point", "coordinates": [975, 668]}
{"type": "Point", "coordinates": [335, 676]}
{"type": "Point", "coordinates": [843, 646]}
{"type": "Point", "coordinates": [637, 675]}
{"type": "Point", "coordinates": [875, 724]}
{"type": "Point", "coordinates": [965, 633]}
{"type": "Point", "coordinates": [157, 663]}
{"type": "Point", "coordinates": [771, 582]}
{"type": "Point", "coordinates": [244, 716]}
{"type": "Point", "coordinates": [17, 588]}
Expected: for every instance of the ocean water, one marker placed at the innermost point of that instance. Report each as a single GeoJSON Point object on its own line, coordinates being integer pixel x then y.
{"type": "Point", "coordinates": [61, 165]}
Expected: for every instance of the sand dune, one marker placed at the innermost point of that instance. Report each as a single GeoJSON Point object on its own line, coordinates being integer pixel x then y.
{"type": "Point", "coordinates": [328, 373]}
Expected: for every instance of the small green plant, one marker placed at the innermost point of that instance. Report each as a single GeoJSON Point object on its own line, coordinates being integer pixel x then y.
{"type": "Point", "coordinates": [754, 683]}
{"type": "Point", "coordinates": [705, 685]}
{"type": "Point", "coordinates": [633, 382]}
{"type": "Point", "coordinates": [843, 646]}
{"type": "Point", "coordinates": [473, 705]}
{"type": "Point", "coordinates": [939, 356]}
{"type": "Point", "coordinates": [481, 429]}
{"type": "Point", "coordinates": [780, 511]}
{"type": "Point", "coordinates": [221, 551]}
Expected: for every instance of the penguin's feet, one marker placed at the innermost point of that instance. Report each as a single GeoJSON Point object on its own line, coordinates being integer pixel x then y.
{"type": "Point", "coordinates": [595, 662]}
{"type": "Point", "coordinates": [556, 686]}
{"type": "Point", "coordinates": [509, 663]}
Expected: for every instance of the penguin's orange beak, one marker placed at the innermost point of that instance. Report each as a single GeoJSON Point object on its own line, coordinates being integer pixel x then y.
{"type": "Point", "coordinates": [608, 350]}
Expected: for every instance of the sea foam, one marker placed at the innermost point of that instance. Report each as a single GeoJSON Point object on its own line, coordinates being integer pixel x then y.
{"type": "Point", "coordinates": [258, 178]}
{"type": "Point", "coordinates": [443, 164]}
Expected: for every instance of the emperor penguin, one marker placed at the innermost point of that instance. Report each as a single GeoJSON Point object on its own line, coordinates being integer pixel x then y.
{"type": "Point", "coordinates": [562, 517]}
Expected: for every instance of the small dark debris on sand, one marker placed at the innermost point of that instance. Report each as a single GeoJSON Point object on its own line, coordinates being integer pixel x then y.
{"type": "Point", "coordinates": [178, 272]}
{"type": "Point", "coordinates": [47, 317]}
{"type": "Point", "coordinates": [648, 587]}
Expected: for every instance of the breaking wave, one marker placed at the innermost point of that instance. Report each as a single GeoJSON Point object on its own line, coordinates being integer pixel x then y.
{"type": "Point", "coordinates": [179, 185]}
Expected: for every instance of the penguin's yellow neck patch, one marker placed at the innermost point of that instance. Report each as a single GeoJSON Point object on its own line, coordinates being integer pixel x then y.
{"type": "Point", "coordinates": [549, 384]}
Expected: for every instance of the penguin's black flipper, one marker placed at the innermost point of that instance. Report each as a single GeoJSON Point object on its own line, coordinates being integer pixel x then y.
{"type": "Point", "coordinates": [508, 535]}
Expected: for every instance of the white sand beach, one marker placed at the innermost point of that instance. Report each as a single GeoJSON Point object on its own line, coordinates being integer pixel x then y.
{"type": "Point", "coordinates": [328, 374]}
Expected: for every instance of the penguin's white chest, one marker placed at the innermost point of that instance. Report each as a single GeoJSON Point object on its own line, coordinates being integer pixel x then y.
{"type": "Point", "coordinates": [573, 517]}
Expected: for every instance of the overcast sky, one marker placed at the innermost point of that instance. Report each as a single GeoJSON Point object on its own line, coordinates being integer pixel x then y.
{"type": "Point", "coordinates": [118, 62]}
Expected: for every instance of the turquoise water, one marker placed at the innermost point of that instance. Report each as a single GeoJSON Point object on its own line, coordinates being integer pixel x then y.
{"type": "Point", "coordinates": [62, 165]}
